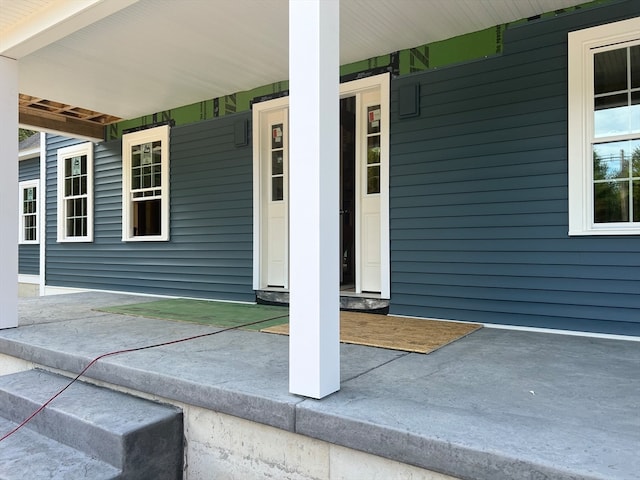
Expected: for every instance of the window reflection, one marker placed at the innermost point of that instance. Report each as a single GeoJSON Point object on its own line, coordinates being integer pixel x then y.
{"type": "Point", "coordinates": [634, 54]}
{"type": "Point", "coordinates": [616, 104]}
{"type": "Point", "coordinates": [616, 176]}
{"type": "Point", "coordinates": [610, 71]}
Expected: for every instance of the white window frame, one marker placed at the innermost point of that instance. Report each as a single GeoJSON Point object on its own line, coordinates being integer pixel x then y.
{"type": "Point", "coordinates": [582, 45]}
{"type": "Point", "coordinates": [22, 186]}
{"type": "Point", "coordinates": [69, 152]}
{"type": "Point", "coordinates": [128, 141]}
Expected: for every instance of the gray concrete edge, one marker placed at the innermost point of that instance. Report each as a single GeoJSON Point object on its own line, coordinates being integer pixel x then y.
{"type": "Point", "coordinates": [300, 416]}
{"type": "Point", "coordinates": [258, 409]}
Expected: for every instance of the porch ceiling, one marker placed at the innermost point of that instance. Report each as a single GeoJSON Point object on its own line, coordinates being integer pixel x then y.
{"type": "Point", "coordinates": [127, 58]}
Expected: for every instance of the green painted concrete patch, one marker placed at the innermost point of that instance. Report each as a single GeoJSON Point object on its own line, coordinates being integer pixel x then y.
{"type": "Point", "coordinates": [219, 314]}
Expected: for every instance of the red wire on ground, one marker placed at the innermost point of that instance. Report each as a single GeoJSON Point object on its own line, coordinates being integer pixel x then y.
{"type": "Point", "coordinates": [128, 350]}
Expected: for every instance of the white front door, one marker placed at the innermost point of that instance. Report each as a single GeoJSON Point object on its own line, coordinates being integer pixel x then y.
{"type": "Point", "coordinates": [368, 173]}
{"type": "Point", "coordinates": [368, 213]}
{"type": "Point", "coordinates": [273, 208]}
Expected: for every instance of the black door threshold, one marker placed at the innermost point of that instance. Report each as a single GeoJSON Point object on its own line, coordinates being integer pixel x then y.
{"type": "Point", "coordinates": [369, 303]}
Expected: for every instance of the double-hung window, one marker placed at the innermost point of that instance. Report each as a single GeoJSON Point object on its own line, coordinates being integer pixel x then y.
{"type": "Point", "coordinates": [145, 189]}
{"type": "Point", "coordinates": [75, 193]}
{"type": "Point", "coordinates": [604, 129]}
{"type": "Point", "coordinates": [28, 202]}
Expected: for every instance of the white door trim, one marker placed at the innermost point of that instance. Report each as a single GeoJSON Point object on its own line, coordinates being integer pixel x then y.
{"type": "Point", "coordinates": [259, 110]}
{"type": "Point", "coordinates": [381, 82]}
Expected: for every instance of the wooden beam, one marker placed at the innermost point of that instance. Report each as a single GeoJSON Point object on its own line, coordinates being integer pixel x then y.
{"type": "Point", "coordinates": [64, 125]}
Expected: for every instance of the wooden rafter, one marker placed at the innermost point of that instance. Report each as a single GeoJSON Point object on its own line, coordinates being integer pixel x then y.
{"type": "Point", "coordinates": [51, 115]}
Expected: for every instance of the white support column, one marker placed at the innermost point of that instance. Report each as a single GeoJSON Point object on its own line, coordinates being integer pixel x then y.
{"type": "Point", "coordinates": [42, 210]}
{"type": "Point", "coordinates": [8, 192]}
{"type": "Point", "coordinates": [314, 77]}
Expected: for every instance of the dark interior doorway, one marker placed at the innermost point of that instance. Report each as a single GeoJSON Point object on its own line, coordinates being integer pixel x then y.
{"type": "Point", "coordinates": [348, 192]}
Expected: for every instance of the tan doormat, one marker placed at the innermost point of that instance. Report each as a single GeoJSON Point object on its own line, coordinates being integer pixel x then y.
{"type": "Point", "coordinates": [396, 333]}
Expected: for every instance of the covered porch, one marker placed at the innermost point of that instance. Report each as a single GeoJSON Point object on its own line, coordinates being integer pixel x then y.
{"type": "Point", "coordinates": [497, 404]}
{"type": "Point", "coordinates": [131, 58]}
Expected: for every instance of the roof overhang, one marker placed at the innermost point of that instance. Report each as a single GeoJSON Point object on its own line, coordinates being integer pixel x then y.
{"type": "Point", "coordinates": [83, 65]}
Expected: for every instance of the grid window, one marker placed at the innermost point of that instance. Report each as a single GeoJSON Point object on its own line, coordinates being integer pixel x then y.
{"type": "Point", "coordinates": [75, 193]}
{"type": "Point", "coordinates": [145, 188]}
{"type": "Point", "coordinates": [29, 211]}
{"type": "Point", "coordinates": [616, 161]}
{"type": "Point", "coordinates": [604, 130]}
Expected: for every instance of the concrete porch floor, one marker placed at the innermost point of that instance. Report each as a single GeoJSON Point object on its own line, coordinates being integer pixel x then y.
{"type": "Point", "coordinates": [497, 404]}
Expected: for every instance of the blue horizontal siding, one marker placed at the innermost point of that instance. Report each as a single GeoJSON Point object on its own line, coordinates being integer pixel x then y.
{"type": "Point", "coordinates": [29, 169]}
{"type": "Point", "coordinates": [29, 259]}
{"type": "Point", "coordinates": [209, 254]}
{"type": "Point", "coordinates": [479, 201]}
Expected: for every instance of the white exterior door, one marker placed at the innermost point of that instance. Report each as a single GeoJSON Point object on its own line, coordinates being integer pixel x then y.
{"type": "Point", "coordinates": [368, 173]}
{"type": "Point", "coordinates": [271, 206]}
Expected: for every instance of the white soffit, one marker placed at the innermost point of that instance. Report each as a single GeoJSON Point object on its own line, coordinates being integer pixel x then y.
{"type": "Point", "coordinates": [27, 25]}
{"type": "Point", "coordinates": [155, 55]}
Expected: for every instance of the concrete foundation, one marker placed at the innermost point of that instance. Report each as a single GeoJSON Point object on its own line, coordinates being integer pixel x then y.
{"type": "Point", "coordinates": [495, 405]}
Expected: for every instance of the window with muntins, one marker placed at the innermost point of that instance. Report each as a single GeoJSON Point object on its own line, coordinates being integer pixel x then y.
{"type": "Point", "coordinates": [75, 193]}
{"type": "Point", "coordinates": [29, 212]}
{"type": "Point", "coordinates": [277, 162]}
{"type": "Point", "coordinates": [604, 130]}
{"type": "Point", "coordinates": [616, 142]}
{"type": "Point", "coordinates": [373, 149]}
{"type": "Point", "coordinates": [145, 197]}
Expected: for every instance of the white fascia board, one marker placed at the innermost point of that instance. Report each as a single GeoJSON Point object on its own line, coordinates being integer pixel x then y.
{"type": "Point", "coordinates": [58, 21]}
{"type": "Point", "coordinates": [29, 153]}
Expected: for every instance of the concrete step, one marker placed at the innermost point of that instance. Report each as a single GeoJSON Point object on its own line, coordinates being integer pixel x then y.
{"type": "Point", "coordinates": [27, 454]}
{"type": "Point", "coordinates": [137, 438]}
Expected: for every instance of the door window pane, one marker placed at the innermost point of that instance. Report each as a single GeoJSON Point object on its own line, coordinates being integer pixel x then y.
{"type": "Point", "coordinates": [277, 189]}
{"type": "Point", "coordinates": [277, 136]}
{"type": "Point", "coordinates": [373, 150]}
{"type": "Point", "coordinates": [373, 119]}
{"type": "Point", "coordinates": [277, 163]}
{"type": "Point", "coordinates": [373, 179]}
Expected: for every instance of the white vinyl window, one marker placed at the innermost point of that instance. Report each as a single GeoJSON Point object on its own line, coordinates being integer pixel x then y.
{"type": "Point", "coordinates": [29, 191]}
{"type": "Point", "coordinates": [145, 187]}
{"type": "Point", "coordinates": [604, 130]}
{"type": "Point", "coordinates": [75, 193]}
